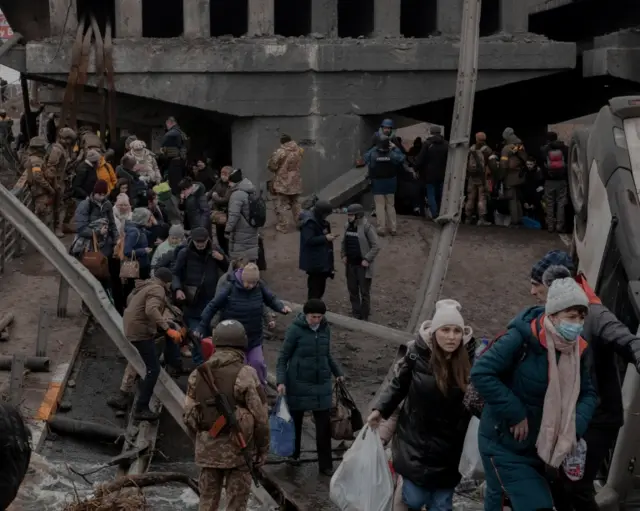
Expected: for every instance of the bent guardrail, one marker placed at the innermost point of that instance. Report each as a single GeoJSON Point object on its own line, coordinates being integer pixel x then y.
{"type": "Point", "coordinates": [10, 239]}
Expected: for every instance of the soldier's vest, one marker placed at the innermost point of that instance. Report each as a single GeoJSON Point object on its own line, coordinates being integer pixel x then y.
{"type": "Point", "coordinates": [225, 380]}
{"type": "Point", "coordinates": [34, 165]}
{"type": "Point", "coordinates": [60, 172]}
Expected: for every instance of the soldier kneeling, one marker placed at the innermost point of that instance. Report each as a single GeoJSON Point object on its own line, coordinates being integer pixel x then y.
{"type": "Point", "coordinates": [220, 453]}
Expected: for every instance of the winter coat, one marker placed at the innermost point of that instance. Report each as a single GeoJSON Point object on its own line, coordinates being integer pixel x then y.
{"type": "Point", "coordinates": [243, 238]}
{"type": "Point", "coordinates": [197, 268]}
{"type": "Point", "coordinates": [427, 447]}
{"type": "Point", "coordinates": [243, 305]}
{"type": "Point", "coordinates": [251, 413]}
{"type": "Point", "coordinates": [149, 171]}
{"type": "Point", "coordinates": [160, 252]}
{"type": "Point", "coordinates": [197, 212]}
{"type": "Point", "coordinates": [305, 365]}
{"type": "Point", "coordinates": [90, 210]}
{"type": "Point", "coordinates": [167, 260]}
{"type": "Point", "coordinates": [84, 180]}
{"type": "Point", "coordinates": [121, 219]}
{"type": "Point", "coordinates": [105, 172]}
{"type": "Point", "coordinates": [431, 163]}
{"type": "Point", "coordinates": [512, 377]}
{"type": "Point", "coordinates": [316, 252]}
{"type": "Point", "coordinates": [223, 191]}
{"type": "Point", "coordinates": [285, 163]}
{"type": "Point", "coordinates": [137, 187]}
{"type": "Point", "coordinates": [369, 246]}
{"type": "Point", "coordinates": [144, 314]}
{"type": "Point", "coordinates": [207, 177]}
{"type": "Point", "coordinates": [136, 242]}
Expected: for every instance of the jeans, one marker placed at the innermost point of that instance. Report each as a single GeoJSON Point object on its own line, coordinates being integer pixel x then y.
{"type": "Point", "coordinates": [147, 350]}
{"type": "Point", "coordinates": [196, 349]}
{"type": "Point", "coordinates": [415, 497]}
{"type": "Point", "coordinates": [434, 198]}
{"type": "Point", "coordinates": [323, 436]}
{"type": "Point", "coordinates": [255, 358]}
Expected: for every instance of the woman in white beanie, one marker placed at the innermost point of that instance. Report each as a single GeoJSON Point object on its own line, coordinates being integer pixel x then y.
{"type": "Point", "coordinates": [432, 422]}
{"type": "Point", "coordinates": [538, 398]}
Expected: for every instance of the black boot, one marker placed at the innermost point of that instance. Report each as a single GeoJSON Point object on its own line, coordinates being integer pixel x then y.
{"type": "Point", "coordinates": [145, 415]}
{"type": "Point", "coordinates": [177, 371]}
{"type": "Point", "coordinates": [121, 402]}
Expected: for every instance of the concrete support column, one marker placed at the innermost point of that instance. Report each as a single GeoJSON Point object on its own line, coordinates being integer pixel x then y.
{"type": "Point", "coordinates": [261, 17]}
{"type": "Point", "coordinates": [61, 11]}
{"type": "Point", "coordinates": [197, 18]}
{"type": "Point", "coordinates": [514, 16]}
{"type": "Point", "coordinates": [253, 139]}
{"type": "Point", "coordinates": [128, 18]}
{"type": "Point", "coordinates": [324, 17]}
{"type": "Point", "coordinates": [449, 16]}
{"type": "Point", "coordinates": [386, 18]}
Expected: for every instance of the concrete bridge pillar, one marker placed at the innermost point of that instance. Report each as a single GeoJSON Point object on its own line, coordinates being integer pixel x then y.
{"type": "Point", "coordinates": [128, 18]}
{"type": "Point", "coordinates": [58, 15]}
{"type": "Point", "coordinates": [514, 16]}
{"type": "Point", "coordinates": [197, 20]}
{"type": "Point", "coordinates": [386, 18]}
{"type": "Point", "coordinates": [324, 17]}
{"type": "Point", "coordinates": [449, 16]}
{"type": "Point", "coordinates": [261, 18]}
{"type": "Point", "coordinates": [253, 140]}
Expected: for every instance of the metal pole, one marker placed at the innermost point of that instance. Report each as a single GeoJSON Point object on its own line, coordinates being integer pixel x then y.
{"type": "Point", "coordinates": [25, 103]}
{"type": "Point", "coordinates": [449, 219]}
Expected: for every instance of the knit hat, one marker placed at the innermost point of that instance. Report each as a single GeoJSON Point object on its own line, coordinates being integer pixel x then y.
{"type": "Point", "coordinates": [508, 132]}
{"type": "Point", "coordinates": [101, 187]}
{"type": "Point", "coordinates": [250, 273]}
{"type": "Point", "coordinates": [164, 275]}
{"type": "Point", "coordinates": [199, 234]}
{"type": "Point", "coordinates": [93, 156]}
{"type": "Point", "coordinates": [564, 294]}
{"type": "Point", "coordinates": [555, 272]}
{"type": "Point", "coordinates": [553, 258]}
{"type": "Point", "coordinates": [314, 306]}
{"type": "Point", "coordinates": [122, 200]}
{"type": "Point", "coordinates": [141, 216]}
{"type": "Point", "coordinates": [481, 136]}
{"type": "Point", "coordinates": [176, 231]}
{"type": "Point", "coordinates": [447, 314]}
{"type": "Point", "coordinates": [235, 176]}
{"type": "Point", "coordinates": [129, 140]}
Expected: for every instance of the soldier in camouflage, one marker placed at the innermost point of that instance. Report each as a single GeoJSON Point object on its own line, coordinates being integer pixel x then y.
{"type": "Point", "coordinates": [40, 181]}
{"type": "Point", "coordinates": [285, 163]}
{"type": "Point", "coordinates": [220, 459]}
{"type": "Point", "coordinates": [57, 165]}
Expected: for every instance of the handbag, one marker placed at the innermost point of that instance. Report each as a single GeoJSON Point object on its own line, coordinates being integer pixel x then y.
{"type": "Point", "coordinates": [219, 217]}
{"type": "Point", "coordinates": [95, 261]}
{"type": "Point", "coordinates": [130, 268]}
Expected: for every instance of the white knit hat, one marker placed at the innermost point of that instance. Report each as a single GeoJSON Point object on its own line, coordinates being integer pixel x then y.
{"type": "Point", "coordinates": [564, 294]}
{"type": "Point", "coordinates": [447, 314]}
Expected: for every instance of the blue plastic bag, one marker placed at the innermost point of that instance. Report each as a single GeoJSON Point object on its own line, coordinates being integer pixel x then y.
{"type": "Point", "coordinates": [283, 432]}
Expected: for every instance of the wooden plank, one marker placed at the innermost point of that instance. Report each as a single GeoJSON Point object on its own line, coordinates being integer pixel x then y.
{"type": "Point", "coordinates": [44, 325]}
{"type": "Point", "coordinates": [17, 379]}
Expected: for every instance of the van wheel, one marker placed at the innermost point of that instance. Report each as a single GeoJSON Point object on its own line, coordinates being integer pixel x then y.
{"type": "Point", "coordinates": [579, 173]}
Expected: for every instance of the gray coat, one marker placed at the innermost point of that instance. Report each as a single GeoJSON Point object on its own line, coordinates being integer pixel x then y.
{"type": "Point", "coordinates": [368, 243]}
{"type": "Point", "coordinates": [243, 238]}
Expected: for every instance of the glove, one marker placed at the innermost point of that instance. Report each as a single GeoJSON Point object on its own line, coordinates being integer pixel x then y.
{"type": "Point", "coordinates": [174, 335]}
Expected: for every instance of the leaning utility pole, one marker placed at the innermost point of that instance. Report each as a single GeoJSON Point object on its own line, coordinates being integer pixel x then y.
{"type": "Point", "coordinates": [447, 222]}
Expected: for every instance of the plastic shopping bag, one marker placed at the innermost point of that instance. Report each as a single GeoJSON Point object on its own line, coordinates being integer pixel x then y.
{"type": "Point", "coordinates": [363, 480]}
{"type": "Point", "coordinates": [283, 432]}
{"type": "Point", "coordinates": [573, 464]}
{"type": "Point", "coordinates": [470, 466]}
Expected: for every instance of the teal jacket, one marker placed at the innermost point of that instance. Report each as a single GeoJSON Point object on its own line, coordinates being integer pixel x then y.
{"type": "Point", "coordinates": [305, 366]}
{"type": "Point", "coordinates": [512, 378]}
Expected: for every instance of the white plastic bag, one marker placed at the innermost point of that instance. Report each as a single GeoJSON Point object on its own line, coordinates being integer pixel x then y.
{"type": "Point", "coordinates": [283, 411]}
{"type": "Point", "coordinates": [470, 466]}
{"type": "Point", "coordinates": [363, 480]}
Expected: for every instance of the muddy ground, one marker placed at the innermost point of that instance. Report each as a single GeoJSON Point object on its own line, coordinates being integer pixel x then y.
{"type": "Point", "coordinates": [488, 274]}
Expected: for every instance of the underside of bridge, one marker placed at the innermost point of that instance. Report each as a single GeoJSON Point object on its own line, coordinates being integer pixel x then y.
{"type": "Point", "coordinates": [238, 73]}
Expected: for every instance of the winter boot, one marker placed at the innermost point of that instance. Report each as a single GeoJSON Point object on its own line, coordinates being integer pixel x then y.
{"type": "Point", "coordinates": [120, 402]}
{"type": "Point", "coordinates": [145, 415]}
{"type": "Point", "coordinates": [176, 372]}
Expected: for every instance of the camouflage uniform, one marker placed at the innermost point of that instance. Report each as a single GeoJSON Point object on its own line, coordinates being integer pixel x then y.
{"type": "Point", "coordinates": [40, 182]}
{"type": "Point", "coordinates": [477, 183]}
{"type": "Point", "coordinates": [220, 459]}
{"type": "Point", "coordinates": [285, 163]}
{"type": "Point", "coordinates": [513, 160]}
{"type": "Point", "coordinates": [57, 165]}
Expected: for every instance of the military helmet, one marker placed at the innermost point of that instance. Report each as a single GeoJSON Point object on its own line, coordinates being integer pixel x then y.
{"type": "Point", "coordinates": [37, 143]}
{"type": "Point", "coordinates": [68, 133]}
{"type": "Point", "coordinates": [355, 209]}
{"type": "Point", "coordinates": [230, 334]}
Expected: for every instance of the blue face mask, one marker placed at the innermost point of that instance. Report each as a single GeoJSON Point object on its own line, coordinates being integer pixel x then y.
{"type": "Point", "coordinates": [570, 331]}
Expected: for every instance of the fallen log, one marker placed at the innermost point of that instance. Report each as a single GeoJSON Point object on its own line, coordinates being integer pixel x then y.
{"type": "Point", "coordinates": [148, 479]}
{"type": "Point", "coordinates": [86, 430]}
{"type": "Point", "coordinates": [399, 337]}
{"type": "Point", "coordinates": [34, 364]}
{"type": "Point", "coordinates": [6, 320]}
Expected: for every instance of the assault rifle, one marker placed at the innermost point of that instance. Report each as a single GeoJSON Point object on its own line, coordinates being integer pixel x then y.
{"type": "Point", "coordinates": [227, 419]}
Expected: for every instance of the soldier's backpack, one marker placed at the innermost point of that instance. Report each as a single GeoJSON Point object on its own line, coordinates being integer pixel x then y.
{"type": "Point", "coordinates": [475, 163]}
{"type": "Point", "coordinates": [556, 164]}
{"type": "Point", "coordinates": [257, 210]}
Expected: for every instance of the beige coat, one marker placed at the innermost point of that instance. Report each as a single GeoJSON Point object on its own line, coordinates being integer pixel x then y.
{"type": "Point", "coordinates": [144, 313]}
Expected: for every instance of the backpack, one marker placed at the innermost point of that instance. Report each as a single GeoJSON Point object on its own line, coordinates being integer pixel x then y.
{"type": "Point", "coordinates": [556, 164]}
{"type": "Point", "coordinates": [257, 210]}
{"type": "Point", "coordinates": [475, 163]}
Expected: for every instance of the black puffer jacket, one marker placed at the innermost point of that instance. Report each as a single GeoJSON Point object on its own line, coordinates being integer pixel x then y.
{"type": "Point", "coordinates": [431, 426]}
{"type": "Point", "coordinates": [431, 163]}
{"type": "Point", "coordinates": [197, 212]}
